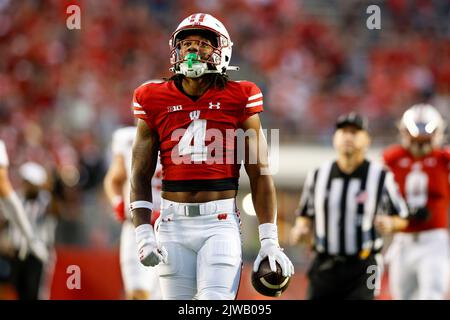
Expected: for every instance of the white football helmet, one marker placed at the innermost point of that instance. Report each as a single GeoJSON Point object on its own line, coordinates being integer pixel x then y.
{"type": "Point", "coordinates": [217, 62]}
{"type": "Point", "coordinates": [422, 128]}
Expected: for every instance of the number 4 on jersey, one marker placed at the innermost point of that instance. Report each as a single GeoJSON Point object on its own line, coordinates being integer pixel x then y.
{"type": "Point", "coordinates": [416, 188]}
{"type": "Point", "coordinates": [198, 149]}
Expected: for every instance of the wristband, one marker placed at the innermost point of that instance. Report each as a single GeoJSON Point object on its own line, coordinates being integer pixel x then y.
{"type": "Point", "coordinates": [139, 205]}
{"type": "Point", "coordinates": [268, 231]}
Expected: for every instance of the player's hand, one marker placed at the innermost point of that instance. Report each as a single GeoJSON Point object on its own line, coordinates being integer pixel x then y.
{"type": "Point", "coordinates": [39, 250]}
{"type": "Point", "coordinates": [150, 252]}
{"type": "Point", "coordinates": [271, 249]}
{"type": "Point", "coordinates": [119, 209]}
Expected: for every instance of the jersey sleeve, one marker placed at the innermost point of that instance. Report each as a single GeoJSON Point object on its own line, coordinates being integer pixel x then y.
{"type": "Point", "coordinates": [138, 109]}
{"type": "Point", "coordinates": [4, 161]}
{"type": "Point", "coordinates": [254, 100]}
{"type": "Point", "coordinates": [141, 101]}
{"type": "Point", "coordinates": [306, 204]}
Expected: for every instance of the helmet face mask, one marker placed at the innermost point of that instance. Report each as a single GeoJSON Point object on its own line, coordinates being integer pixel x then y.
{"type": "Point", "coordinates": [193, 57]}
{"type": "Point", "coordinates": [209, 28]}
{"type": "Point", "coordinates": [418, 146]}
{"type": "Point", "coordinates": [422, 129]}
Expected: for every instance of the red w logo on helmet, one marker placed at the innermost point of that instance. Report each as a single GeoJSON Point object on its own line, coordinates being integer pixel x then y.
{"type": "Point", "coordinates": [194, 17]}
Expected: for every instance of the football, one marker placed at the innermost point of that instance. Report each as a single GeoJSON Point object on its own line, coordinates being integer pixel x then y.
{"type": "Point", "coordinates": [267, 282]}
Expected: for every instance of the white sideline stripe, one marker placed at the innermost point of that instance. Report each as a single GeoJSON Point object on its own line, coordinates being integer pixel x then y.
{"type": "Point", "coordinates": [254, 104]}
{"type": "Point", "coordinates": [256, 96]}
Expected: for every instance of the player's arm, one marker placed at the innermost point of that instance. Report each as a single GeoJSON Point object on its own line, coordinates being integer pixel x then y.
{"type": "Point", "coordinates": [257, 168]}
{"type": "Point", "coordinates": [263, 196]}
{"type": "Point", "coordinates": [143, 164]}
{"type": "Point", "coordinates": [113, 184]}
{"type": "Point", "coordinates": [115, 178]}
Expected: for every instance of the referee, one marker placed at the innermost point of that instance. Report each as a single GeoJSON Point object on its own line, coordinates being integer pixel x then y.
{"type": "Point", "coordinates": [345, 204]}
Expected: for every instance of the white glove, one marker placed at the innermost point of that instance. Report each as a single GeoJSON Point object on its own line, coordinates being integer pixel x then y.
{"type": "Point", "coordinates": [150, 252]}
{"type": "Point", "coordinates": [268, 236]}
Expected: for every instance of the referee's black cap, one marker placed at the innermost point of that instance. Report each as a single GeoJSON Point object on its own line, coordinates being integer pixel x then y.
{"type": "Point", "coordinates": [352, 119]}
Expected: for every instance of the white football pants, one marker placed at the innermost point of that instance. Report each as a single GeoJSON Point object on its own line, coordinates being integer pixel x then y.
{"type": "Point", "coordinates": [134, 274]}
{"type": "Point", "coordinates": [419, 265]}
{"type": "Point", "coordinates": [204, 250]}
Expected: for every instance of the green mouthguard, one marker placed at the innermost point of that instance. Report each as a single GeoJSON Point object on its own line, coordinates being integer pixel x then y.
{"type": "Point", "coordinates": [192, 58]}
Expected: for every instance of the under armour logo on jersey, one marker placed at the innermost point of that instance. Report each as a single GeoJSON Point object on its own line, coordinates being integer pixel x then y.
{"type": "Point", "coordinates": [212, 105]}
{"type": "Point", "coordinates": [194, 115]}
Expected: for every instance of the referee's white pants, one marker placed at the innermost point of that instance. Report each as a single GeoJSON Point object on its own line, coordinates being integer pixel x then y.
{"type": "Point", "coordinates": [419, 267]}
{"type": "Point", "coordinates": [135, 275]}
{"type": "Point", "coordinates": [204, 251]}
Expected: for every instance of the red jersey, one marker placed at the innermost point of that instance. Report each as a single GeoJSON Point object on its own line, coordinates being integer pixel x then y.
{"type": "Point", "coordinates": [197, 141]}
{"type": "Point", "coordinates": [423, 182]}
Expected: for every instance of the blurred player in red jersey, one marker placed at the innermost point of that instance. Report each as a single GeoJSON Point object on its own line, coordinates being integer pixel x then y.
{"type": "Point", "coordinates": [140, 282]}
{"type": "Point", "coordinates": [419, 256]}
{"type": "Point", "coordinates": [197, 246]}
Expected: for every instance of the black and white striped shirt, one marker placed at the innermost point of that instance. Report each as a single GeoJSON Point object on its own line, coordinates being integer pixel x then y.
{"type": "Point", "coordinates": [343, 206]}
{"type": "Point", "coordinates": [42, 222]}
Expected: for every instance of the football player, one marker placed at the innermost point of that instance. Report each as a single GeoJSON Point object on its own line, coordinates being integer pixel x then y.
{"type": "Point", "coordinates": [197, 245]}
{"type": "Point", "coordinates": [140, 283]}
{"type": "Point", "coordinates": [419, 256]}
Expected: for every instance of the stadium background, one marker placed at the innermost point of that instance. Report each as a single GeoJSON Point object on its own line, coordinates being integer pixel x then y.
{"type": "Point", "coordinates": [63, 92]}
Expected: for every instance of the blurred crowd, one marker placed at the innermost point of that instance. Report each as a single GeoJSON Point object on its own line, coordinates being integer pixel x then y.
{"type": "Point", "coordinates": [63, 92]}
